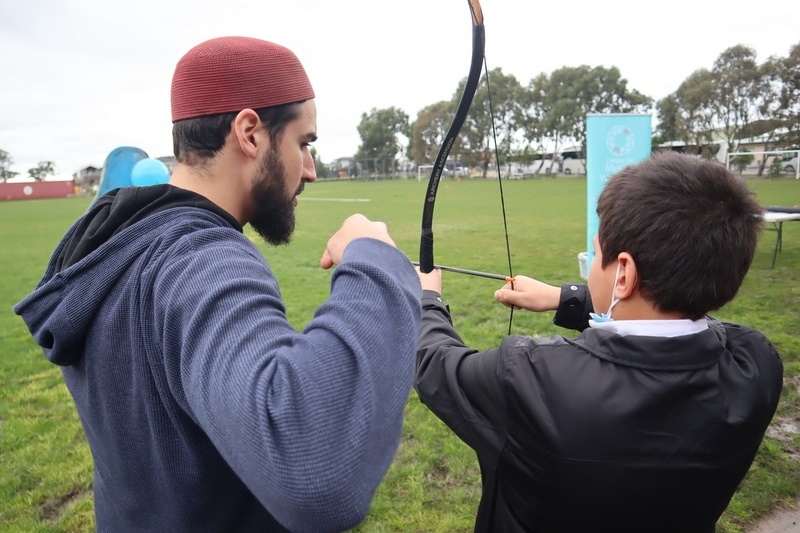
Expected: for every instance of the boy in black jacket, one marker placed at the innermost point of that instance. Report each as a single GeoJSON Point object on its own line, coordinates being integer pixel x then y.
{"type": "Point", "coordinates": [648, 420]}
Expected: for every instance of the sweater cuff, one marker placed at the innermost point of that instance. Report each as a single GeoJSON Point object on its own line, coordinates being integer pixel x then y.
{"type": "Point", "coordinates": [383, 256]}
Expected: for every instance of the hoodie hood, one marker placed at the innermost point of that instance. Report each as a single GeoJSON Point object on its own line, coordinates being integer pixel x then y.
{"type": "Point", "coordinates": [120, 209]}
{"type": "Point", "coordinates": [92, 257]}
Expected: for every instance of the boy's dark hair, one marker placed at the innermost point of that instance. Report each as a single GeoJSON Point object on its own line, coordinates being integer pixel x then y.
{"type": "Point", "coordinates": [197, 140]}
{"type": "Point", "coordinates": [690, 225]}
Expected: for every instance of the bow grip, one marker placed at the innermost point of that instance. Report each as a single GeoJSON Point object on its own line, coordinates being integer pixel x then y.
{"type": "Point", "coordinates": [426, 251]}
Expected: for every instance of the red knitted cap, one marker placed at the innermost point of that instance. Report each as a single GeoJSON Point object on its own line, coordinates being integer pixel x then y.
{"type": "Point", "coordinates": [229, 74]}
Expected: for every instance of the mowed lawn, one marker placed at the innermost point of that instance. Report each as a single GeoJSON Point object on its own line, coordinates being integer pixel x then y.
{"type": "Point", "coordinates": [434, 482]}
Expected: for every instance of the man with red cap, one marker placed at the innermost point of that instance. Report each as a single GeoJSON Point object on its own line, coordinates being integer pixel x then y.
{"type": "Point", "coordinates": [204, 409]}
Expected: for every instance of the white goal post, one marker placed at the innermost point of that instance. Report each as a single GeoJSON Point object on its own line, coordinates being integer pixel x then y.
{"type": "Point", "coordinates": [785, 162]}
{"type": "Point", "coordinates": [423, 172]}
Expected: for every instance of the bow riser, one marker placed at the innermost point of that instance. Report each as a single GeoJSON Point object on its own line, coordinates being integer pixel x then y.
{"type": "Point", "coordinates": [426, 261]}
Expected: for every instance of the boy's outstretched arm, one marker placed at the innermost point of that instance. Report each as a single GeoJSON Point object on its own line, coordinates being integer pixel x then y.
{"type": "Point", "coordinates": [530, 294]}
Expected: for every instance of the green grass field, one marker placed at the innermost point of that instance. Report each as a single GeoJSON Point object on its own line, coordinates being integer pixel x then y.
{"type": "Point", "coordinates": [434, 483]}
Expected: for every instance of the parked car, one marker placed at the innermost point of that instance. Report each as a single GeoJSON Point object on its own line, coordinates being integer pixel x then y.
{"type": "Point", "coordinates": [790, 165]}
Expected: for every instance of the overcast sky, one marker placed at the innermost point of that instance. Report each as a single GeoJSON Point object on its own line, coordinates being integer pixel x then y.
{"type": "Point", "coordinates": [79, 78]}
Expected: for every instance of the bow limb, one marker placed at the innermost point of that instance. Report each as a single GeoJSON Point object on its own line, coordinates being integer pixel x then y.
{"type": "Point", "coordinates": [478, 43]}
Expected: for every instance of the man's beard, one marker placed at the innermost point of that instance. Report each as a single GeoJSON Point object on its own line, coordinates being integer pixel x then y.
{"type": "Point", "coordinates": [273, 217]}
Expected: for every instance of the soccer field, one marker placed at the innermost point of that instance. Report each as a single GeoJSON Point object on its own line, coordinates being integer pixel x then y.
{"type": "Point", "coordinates": [434, 483]}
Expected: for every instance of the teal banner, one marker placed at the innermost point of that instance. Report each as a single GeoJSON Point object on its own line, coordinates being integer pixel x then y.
{"type": "Point", "coordinates": [613, 141]}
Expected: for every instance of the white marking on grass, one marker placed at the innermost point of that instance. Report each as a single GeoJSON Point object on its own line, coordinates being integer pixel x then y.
{"type": "Point", "coordinates": [304, 199]}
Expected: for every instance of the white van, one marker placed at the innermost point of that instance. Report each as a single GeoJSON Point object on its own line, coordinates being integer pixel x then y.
{"type": "Point", "coordinates": [573, 161]}
{"type": "Point", "coordinates": [714, 150]}
{"type": "Point", "coordinates": [546, 165]}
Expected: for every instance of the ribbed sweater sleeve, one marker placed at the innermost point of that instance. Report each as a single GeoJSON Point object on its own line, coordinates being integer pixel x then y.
{"type": "Point", "coordinates": [310, 421]}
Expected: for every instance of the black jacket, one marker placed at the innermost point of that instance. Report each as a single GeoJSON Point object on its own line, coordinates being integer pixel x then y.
{"type": "Point", "coordinates": [603, 433]}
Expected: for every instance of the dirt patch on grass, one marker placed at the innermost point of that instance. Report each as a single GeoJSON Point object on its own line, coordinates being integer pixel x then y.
{"type": "Point", "coordinates": [780, 521]}
{"type": "Point", "coordinates": [785, 429]}
{"type": "Point", "coordinates": [439, 474]}
{"type": "Point", "coordinates": [51, 509]}
{"type": "Point", "coordinates": [785, 426]}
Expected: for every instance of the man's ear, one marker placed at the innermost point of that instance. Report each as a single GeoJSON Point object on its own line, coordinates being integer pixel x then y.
{"type": "Point", "coordinates": [628, 279]}
{"type": "Point", "coordinates": [248, 132]}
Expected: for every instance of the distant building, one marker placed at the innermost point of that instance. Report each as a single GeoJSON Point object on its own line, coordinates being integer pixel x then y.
{"type": "Point", "coordinates": [169, 161]}
{"type": "Point", "coordinates": [88, 178]}
{"type": "Point", "coordinates": [342, 167]}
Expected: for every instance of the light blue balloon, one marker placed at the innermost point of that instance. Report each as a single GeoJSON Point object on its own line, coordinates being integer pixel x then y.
{"type": "Point", "coordinates": [149, 172]}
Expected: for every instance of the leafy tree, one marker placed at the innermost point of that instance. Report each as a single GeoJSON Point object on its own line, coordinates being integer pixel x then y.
{"type": "Point", "coordinates": [787, 72]}
{"type": "Point", "coordinates": [380, 132]}
{"type": "Point", "coordinates": [42, 170]}
{"type": "Point", "coordinates": [496, 116]}
{"type": "Point", "coordinates": [5, 166]}
{"type": "Point", "coordinates": [688, 113]}
{"type": "Point", "coordinates": [534, 116]}
{"type": "Point", "coordinates": [428, 131]}
{"type": "Point", "coordinates": [669, 126]}
{"type": "Point", "coordinates": [775, 167]}
{"type": "Point", "coordinates": [765, 125]}
{"type": "Point", "coordinates": [737, 98]}
{"type": "Point", "coordinates": [561, 101]}
{"type": "Point", "coordinates": [743, 160]}
{"type": "Point", "coordinates": [738, 84]}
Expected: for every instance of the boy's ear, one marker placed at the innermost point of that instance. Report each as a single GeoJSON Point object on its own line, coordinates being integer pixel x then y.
{"type": "Point", "coordinates": [628, 279]}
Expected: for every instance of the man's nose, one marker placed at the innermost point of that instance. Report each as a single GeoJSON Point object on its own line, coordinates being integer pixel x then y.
{"type": "Point", "coordinates": [309, 169]}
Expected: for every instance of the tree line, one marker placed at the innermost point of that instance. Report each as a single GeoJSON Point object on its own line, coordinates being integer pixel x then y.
{"type": "Point", "coordinates": [736, 98]}
{"type": "Point", "coordinates": [38, 173]}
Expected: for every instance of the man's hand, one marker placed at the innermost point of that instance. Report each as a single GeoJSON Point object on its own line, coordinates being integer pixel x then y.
{"type": "Point", "coordinates": [529, 294]}
{"type": "Point", "coordinates": [354, 227]}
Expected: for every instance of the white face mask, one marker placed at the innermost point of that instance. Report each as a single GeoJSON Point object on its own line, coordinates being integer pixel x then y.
{"type": "Point", "coordinates": [606, 317]}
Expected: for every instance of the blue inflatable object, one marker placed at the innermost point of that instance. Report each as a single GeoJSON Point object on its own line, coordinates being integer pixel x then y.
{"type": "Point", "coordinates": [149, 172]}
{"type": "Point", "coordinates": [117, 169]}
